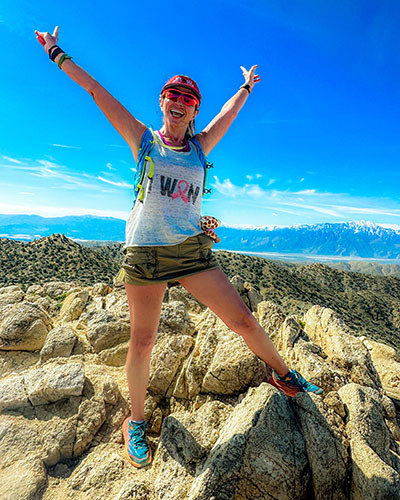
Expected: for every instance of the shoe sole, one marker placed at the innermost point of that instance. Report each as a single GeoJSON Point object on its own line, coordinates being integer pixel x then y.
{"type": "Point", "coordinates": [128, 457]}
{"type": "Point", "coordinates": [287, 391]}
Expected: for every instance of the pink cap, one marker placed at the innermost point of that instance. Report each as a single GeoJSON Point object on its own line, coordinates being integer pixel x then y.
{"type": "Point", "coordinates": [185, 82]}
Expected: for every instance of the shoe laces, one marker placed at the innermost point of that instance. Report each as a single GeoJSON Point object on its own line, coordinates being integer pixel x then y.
{"type": "Point", "coordinates": [136, 432]}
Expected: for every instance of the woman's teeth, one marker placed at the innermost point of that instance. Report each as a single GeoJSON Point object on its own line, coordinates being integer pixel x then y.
{"type": "Point", "coordinates": [176, 113]}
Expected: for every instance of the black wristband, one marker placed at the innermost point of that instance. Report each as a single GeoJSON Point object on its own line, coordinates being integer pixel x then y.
{"type": "Point", "coordinates": [49, 52]}
{"type": "Point", "coordinates": [247, 87]}
{"type": "Point", "coordinates": [55, 53]}
{"type": "Point", "coordinates": [51, 48]}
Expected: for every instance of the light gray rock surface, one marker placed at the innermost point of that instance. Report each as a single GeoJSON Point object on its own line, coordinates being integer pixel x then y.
{"type": "Point", "coordinates": [59, 343]}
{"type": "Point", "coordinates": [217, 430]}
{"type": "Point", "coordinates": [23, 327]}
{"type": "Point", "coordinates": [375, 454]}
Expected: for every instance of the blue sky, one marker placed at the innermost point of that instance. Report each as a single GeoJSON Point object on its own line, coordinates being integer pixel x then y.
{"type": "Point", "coordinates": [316, 141]}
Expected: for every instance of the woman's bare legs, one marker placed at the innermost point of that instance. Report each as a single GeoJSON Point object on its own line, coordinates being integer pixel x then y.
{"type": "Point", "coordinates": [214, 290]}
{"type": "Point", "coordinates": [144, 307]}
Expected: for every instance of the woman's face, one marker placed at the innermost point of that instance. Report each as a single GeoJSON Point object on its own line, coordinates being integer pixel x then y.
{"type": "Point", "coordinates": [177, 112]}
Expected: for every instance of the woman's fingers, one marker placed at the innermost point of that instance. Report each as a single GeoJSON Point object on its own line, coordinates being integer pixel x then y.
{"type": "Point", "coordinates": [40, 38]}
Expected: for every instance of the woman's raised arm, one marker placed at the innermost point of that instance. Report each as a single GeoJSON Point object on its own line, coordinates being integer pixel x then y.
{"type": "Point", "coordinates": [217, 128]}
{"type": "Point", "coordinates": [129, 127]}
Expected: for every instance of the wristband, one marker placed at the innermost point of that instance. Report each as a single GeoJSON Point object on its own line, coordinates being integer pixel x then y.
{"type": "Point", "coordinates": [247, 87]}
{"type": "Point", "coordinates": [51, 49]}
{"type": "Point", "coordinates": [62, 59]}
{"type": "Point", "coordinates": [54, 53]}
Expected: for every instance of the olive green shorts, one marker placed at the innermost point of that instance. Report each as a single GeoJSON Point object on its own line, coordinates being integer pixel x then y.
{"type": "Point", "coordinates": [146, 265]}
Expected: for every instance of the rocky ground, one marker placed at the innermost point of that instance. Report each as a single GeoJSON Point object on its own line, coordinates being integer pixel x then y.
{"type": "Point", "coordinates": [217, 429]}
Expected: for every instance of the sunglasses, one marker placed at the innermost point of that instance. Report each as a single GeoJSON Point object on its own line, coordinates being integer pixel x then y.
{"type": "Point", "coordinates": [188, 99]}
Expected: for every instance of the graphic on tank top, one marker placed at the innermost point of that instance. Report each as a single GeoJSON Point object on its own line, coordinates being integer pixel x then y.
{"type": "Point", "coordinates": [187, 193]}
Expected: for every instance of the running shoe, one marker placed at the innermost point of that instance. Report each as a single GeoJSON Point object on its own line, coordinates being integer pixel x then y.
{"type": "Point", "coordinates": [136, 448]}
{"type": "Point", "coordinates": [292, 383]}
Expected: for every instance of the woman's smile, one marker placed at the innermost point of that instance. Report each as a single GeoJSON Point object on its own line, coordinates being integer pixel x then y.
{"type": "Point", "coordinates": [176, 113]}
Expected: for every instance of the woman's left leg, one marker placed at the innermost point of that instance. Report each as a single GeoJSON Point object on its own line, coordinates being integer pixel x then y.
{"type": "Point", "coordinates": [214, 290]}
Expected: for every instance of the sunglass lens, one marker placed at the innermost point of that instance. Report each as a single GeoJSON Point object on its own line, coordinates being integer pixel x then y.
{"type": "Point", "coordinates": [173, 95]}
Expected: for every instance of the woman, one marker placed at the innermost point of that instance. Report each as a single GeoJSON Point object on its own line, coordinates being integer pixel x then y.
{"type": "Point", "coordinates": [164, 238]}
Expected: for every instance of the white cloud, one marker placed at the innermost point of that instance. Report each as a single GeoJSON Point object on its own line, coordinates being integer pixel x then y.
{"type": "Point", "coordinates": [119, 184]}
{"type": "Point", "coordinates": [253, 190]}
{"type": "Point", "coordinates": [307, 192]}
{"type": "Point", "coordinates": [109, 165]}
{"type": "Point", "coordinates": [258, 176]}
{"type": "Point", "coordinates": [301, 180]}
{"type": "Point", "coordinates": [226, 187]}
{"type": "Point", "coordinates": [249, 177]}
{"type": "Point", "coordinates": [51, 211]}
{"type": "Point", "coordinates": [271, 181]}
{"type": "Point", "coordinates": [24, 192]}
{"type": "Point", "coordinates": [118, 146]}
{"type": "Point", "coordinates": [315, 208]}
{"type": "Point", "coordinates": [368, 210]}
{"type": "Point", "coordinates": [65, 146]}
{"type": "Point", "coordinates": [8, 158]}
{"type": "Point", "coordinates": [50, 170]}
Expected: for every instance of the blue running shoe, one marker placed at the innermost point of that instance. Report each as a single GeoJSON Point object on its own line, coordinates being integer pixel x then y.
{"type": "Point", "coordinates": [136, 448]}
{"type": "Point", "coordinates": [292, 383]}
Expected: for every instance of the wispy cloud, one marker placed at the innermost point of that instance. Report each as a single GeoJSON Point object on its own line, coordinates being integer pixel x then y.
{"type": "Point", "coordinates": [119, 184]}
{"type": "Point", "coordinates": [50, 170]}
{"type": "Point", "coordinates": [109, 166]}
{"type": "Point", "coordinates": [65, 146]}
{"type": "Point", "coordinates": [59, 211]}
{"type": "Point", "coordinates": [118, 146]}
{"type": "Point", "coordinates": [251, 177]}
{"type": "Point", "coordinates": [369, 210]}
{"type": "Point", "coordinates": [13, 160]}
{"type": "Point", "coordinates": [306, 202]}
{"type": "Point", "coordinates": [25, 192]}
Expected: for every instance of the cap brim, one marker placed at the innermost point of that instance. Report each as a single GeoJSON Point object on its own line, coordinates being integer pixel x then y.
{"type": "Point", "coordinates": [187, 89]}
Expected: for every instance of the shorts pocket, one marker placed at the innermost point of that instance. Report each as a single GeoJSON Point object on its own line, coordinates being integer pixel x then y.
{"type": "Point", "coordinates": [139, 261]}
{"type": "Point", "coordinates": [206, 241]}
{"type": "Point", "coordinates": [206, 244]}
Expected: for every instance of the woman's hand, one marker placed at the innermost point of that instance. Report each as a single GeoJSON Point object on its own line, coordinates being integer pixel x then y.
{"type": "Point", "coordinates": [249, 77]}
{"type": "Point", "coordinates": [47, 40]}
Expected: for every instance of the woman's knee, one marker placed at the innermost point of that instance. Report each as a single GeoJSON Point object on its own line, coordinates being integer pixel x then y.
{"type": "Point", "coordinates": [142, 342]}
{"type": "Point", "coordinates": [243, 323]}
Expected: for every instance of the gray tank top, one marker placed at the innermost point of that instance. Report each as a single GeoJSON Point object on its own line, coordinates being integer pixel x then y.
{"type": "Point", "coordinates": [171, 208]}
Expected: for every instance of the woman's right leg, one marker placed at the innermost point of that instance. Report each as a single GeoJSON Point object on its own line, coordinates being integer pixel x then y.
{"type": "Point", "coordinates": [144, 308]}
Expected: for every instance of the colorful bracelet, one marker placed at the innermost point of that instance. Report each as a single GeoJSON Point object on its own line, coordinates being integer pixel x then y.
{"type": "Point", "coordinates": [247, 87]}
{"type": "Point", "coordinates": [62, 59]}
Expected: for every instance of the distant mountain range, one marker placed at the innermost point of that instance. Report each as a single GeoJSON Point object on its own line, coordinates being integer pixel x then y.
{"type": "Point", "coordinates": [369, 304]}
{"type": "Point", "coordinates": [359, 239]}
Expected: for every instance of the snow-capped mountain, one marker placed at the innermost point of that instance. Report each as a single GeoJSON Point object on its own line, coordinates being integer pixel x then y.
{"type": "Point", "coordinates": [351, 239]}
{"type": "Point", "coordinates": [347, 239]}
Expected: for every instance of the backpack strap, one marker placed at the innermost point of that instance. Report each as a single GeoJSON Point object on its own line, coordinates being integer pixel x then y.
{"type": "Point", "coordinates": [206, 164]}
{"type": "Point", "coordinates": [145, 146]}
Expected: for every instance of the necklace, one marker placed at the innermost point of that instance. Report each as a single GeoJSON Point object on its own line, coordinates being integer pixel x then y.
{"type": "Point", "coordinates": [183, 148]}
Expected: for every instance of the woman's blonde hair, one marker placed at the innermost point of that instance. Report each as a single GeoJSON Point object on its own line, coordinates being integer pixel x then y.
{"type": "Point", "coordinates": [190, 130]}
